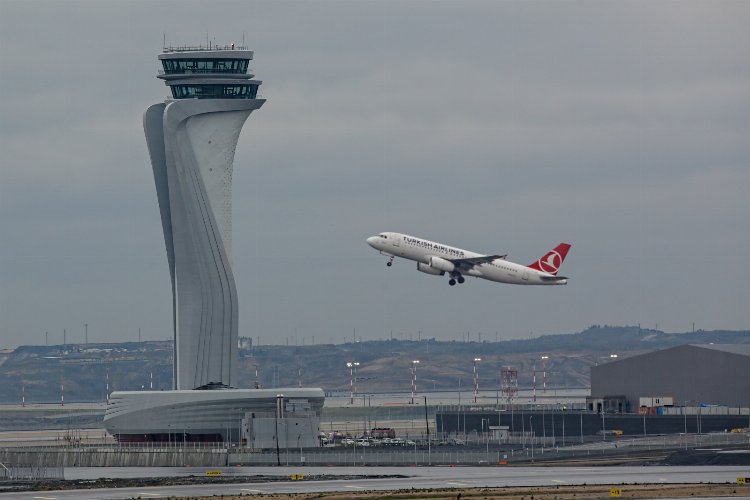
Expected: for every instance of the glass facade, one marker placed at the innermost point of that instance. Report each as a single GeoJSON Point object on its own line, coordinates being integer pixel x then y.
{"type": "Point", "coordinates": [184, 66]}
{"type": "Point", "coordinates": [234, 91]}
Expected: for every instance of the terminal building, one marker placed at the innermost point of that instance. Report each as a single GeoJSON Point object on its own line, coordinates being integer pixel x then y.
{"type": "Point", "coordinates": [687, 375]}
{"type": "Point", "coordinates": [192, 137]}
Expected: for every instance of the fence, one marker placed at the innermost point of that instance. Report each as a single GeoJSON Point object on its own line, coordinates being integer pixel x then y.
{"type": "Point", "coordinates": [29, 472]}
{"type": "Point", "coordinates": [530, 449]}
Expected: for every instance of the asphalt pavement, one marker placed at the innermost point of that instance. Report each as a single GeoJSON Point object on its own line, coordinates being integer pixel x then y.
{"type": "Point", "coordinates": [418, 477]}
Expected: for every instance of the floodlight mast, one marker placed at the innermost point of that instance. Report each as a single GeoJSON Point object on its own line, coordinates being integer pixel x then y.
{"type": "Point", "coordinates": [414, 364]}
{"type": "Point", "coordinates": [476, 379]}
{"type": "Point", "coordinates": [352, 365]}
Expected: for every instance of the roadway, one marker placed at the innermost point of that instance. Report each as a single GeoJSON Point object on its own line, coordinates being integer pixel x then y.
{"type": "Point", "coordinates": [418, 478]}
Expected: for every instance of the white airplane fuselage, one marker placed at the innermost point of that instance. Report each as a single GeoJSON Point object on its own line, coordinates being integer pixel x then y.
{"type": "Point", "coordinates": [439, 259]}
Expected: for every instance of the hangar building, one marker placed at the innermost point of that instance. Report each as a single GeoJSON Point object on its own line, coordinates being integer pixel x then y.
{"type": "Point", "coordinates": [717, 374]}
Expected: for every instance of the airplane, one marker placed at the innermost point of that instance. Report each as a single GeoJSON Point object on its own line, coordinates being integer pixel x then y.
{"type": "Point", "coordinates": [438, 259]}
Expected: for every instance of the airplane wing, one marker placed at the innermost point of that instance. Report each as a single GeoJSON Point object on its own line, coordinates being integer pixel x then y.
{"type": "Point", "coordinates": [473, 261]}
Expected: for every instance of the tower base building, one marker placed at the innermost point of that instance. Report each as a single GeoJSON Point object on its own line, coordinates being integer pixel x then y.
{"type": "Point", "coordinates": [222, 415]}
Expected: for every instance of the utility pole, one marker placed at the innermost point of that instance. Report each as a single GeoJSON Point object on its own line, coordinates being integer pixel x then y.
{"type": "Point", "coordinates": [86, 330]}
{"type": "Point", "coordinates": [46, 338]}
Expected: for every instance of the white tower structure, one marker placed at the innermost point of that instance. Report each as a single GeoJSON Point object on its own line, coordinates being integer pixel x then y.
{"type": "Point", "coordinates": [191, 139]}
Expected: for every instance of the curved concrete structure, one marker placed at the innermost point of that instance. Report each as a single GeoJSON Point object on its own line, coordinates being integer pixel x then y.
{"type": "Point", "coordinates": [191, 141]}
{"type": "Point", "coordinates": [206, 415]}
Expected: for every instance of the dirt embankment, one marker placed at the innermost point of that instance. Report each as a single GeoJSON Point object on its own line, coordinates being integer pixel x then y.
{"type": "Point", "coordinates": [539, 493]}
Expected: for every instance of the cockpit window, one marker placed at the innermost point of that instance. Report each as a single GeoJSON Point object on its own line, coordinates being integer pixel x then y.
{"type": "Point", "coordinates": [384, 236]}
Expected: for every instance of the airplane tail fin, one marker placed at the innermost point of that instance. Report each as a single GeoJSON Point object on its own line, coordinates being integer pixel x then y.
{"type": "Point", "coordinates": [552, 260]}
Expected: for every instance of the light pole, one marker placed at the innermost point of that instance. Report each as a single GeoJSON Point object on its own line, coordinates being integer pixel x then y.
{"type": "Point", "coordinates": [279, 409]}
{"type": "Point", "coordinates": [531, 431]}
{"type": "Point", "coordinates": [486, 435]}
{"type": "Point", "coordinates": [544, 373]}
{"type": "Point", "coordinates": [352, 365]}
{"type": "Point", "coordinates": [476, 379]}
{"type": "Point", "coordinates": [414, 364]}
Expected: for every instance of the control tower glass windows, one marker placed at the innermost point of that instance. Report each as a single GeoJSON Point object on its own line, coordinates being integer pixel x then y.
{"type": "Point", "coordinates": [249, 91]}
{"type": "Point", "coordinates": [187, 66]}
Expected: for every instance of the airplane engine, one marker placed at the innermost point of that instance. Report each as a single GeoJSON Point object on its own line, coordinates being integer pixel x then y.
{"type": "Point", "coordinates": [442, 264]}
{"type": "Point", "coordinates": [425, 268]}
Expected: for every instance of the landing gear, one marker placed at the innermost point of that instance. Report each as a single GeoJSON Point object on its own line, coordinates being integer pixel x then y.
{"type": "Point", "coordinates": [456, 278]}
{"type": "Point", "coordinates": [389, 263]}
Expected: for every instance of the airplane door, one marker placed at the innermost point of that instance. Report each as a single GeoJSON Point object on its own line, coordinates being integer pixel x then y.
{"type": "Point", "coordinates": [397, 241]}
{"type": "Point", "coordinates": [525, 275]}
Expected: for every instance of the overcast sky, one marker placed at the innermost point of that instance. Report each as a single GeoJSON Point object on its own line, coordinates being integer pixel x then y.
{"type": "Point", "coordinates": [499, 127]}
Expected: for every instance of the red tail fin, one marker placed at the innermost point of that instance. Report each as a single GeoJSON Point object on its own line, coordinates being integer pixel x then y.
{"type": "Point", "coordinates": [552, 260]}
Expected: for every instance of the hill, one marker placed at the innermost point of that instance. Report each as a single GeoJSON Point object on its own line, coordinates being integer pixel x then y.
{"type": "Point", "coordinates": [385, 365]}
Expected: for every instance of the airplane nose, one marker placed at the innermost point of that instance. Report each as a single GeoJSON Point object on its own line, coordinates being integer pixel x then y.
{"type": "Point", "coordinates": [372, 240]}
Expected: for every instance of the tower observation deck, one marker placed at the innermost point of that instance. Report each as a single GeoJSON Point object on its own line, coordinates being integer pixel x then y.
{"type": "Point", "coordinates": [191, 138]}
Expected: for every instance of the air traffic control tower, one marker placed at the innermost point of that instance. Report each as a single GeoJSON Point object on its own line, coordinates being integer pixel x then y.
{"type": "Point", "coordinates": [191, 138]}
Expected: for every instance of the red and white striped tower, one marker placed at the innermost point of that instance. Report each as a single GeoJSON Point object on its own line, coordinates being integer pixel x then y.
{"type": "Point", "coordinates": [534, 384]}
{"type": "Point", "coordinates": [544, 373]}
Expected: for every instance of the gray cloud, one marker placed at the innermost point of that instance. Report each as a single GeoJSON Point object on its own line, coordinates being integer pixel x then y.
{"type": "Point", "coordinates": [495, 126]}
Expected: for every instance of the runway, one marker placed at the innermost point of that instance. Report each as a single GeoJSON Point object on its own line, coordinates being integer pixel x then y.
{"type": "Point", "coordinates": [418, 478]}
